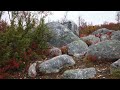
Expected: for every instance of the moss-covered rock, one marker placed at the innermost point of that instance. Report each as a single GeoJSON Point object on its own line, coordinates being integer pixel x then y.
{"type": "Point", "coordinates": [86, 73]}
{"type": "Point", "coordinates": [105, 50]}
{"type": "Point", "coordinates": [61, 34]}
{"type": "Point", "coordinates": [55, 64]}
{"type": "Point", "coordinates": [77, 47]}
{"type": "Point", "coordinates": [91, 39]}
{"type": "Point", "coordinates": [115, 35]}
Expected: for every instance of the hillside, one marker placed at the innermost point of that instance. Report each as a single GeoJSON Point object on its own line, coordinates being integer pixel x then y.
{"type": "Point", "coordinates": [55, 50]}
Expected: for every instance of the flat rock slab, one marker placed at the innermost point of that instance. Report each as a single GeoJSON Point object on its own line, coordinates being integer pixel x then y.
{"type": "Point", "coordinates": [86, 73]}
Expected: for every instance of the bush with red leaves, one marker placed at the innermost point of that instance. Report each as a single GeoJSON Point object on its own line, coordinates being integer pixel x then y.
{"type": "Point", "coordinates": [3, 26]}
{"type": "Point", "coordinates": [14, 64]}
{"type": "Point", "coordinates": [98, 35]}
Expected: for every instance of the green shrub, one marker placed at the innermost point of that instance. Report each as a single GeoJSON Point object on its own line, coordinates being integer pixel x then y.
{"type": "Point", "coordinates": [41, 35]}
{"type": "Point", "coordinates": [17, 39]}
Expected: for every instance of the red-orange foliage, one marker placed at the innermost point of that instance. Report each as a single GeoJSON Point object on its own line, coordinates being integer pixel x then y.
{"type": "Point", "coordinates": [91, 28]}
{"type": "Point", "coordinates": [82, 35]}
{"type": "Point", "coordinates": [98, 35]}
{"type": "Point", "coordinates": [34, 45]}
{"type": "Point", "coordinates": [91, 58]}
{"type": "Point", "coordinates": [9, 65]}
{"type": "Point", "coordinates": [64, 49]}
{"type": "Point", "coordinates": [3, 26]}
{"type": "Point", "coordinates": [109, 33]}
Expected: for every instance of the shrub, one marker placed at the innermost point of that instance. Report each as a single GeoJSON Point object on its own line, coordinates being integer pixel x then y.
{"type": "Point", "coordinates": [19, 44]}
{"type": "Point", "coordinates": [41, 36]}
{"type": "Point", "coordinates": [3, 26]}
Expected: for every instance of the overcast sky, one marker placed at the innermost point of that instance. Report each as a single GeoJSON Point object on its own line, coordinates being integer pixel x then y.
{"type": "Point", "coordinates": [96, 17]}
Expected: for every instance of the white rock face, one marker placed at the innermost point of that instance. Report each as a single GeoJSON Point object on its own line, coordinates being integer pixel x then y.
{"type": "Point", "coordinates": [32, 69]}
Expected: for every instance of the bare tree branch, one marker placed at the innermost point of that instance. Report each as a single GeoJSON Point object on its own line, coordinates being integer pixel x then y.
{"type": "Point", "coordinates": [65, 17]}
{"type": "Point", "coordinates": [1, 13]}
{"type": "Point", "coordinates": [118, 18]}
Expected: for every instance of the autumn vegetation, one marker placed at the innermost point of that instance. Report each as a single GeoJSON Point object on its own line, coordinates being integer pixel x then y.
{"type": "Point", "coordinates": [24, 40]}
{"type": "Point", "coordinates": [86, 29]}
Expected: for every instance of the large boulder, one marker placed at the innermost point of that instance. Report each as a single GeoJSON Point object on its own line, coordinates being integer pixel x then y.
{"type": "Point", "coordinates": [72, 26]}
{"type": "Point", "coordinates": [55, 64]}
{"type": "Point", "coordinates": [90, 39]}
{"type": "Point", "coordinates": [102, 31]}
{"type": "Point", "coordinates": [104, 37]}
{"type": "Point", "coordinates": [86, 73]}
{"type": "Point", "coordinates": [115, 35]}
{"type": "Point", "coordinates": [61, 34]}
{"type": "Point", "coordinates": [105, 50]}
{"type": "Point", "coordinates": [77, 47]}
{"type": "Point", "coordinates": [115, 68]}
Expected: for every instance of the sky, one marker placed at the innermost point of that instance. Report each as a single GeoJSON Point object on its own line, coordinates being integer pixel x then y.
{"type": "Point", "coordinates": [94, 17]}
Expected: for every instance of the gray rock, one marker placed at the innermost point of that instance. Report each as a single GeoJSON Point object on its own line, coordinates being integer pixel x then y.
{"type": "Point", "coordinates": [61, 35]}
{"type": "Point", "coordinates": [55, 52]}
{"type": "Point", "coordinates": [102, 31]}
{"type": "Point", "coordinates": [104, 37]}
{"type": "Point", "coordinates": [115, 67]}
{"type": "Point", "coordinates": [32, 69]}
{"type": "Point", "coordinates": [77, 47]}
{"type": "Point", "coordinates": [72, 26]}
{"type": "Point", "coordinates": [86, 73]}
{"type": "Point", "coordinates": [55, 64]}
{"type": "Point", "coordinates": [115, 35]}
{"type": "Point", "coordinates": [79, 56]}
{"type": "Point", "coordinates": [91, 39]}
{"type": "Point", "coordinates": [105, 50]}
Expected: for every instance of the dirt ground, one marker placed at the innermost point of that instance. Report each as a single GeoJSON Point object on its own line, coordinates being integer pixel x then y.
{"type": "Point", "coordinates": [102, 69]}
